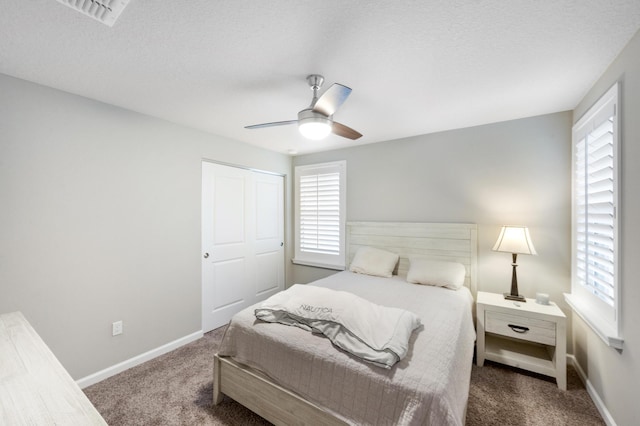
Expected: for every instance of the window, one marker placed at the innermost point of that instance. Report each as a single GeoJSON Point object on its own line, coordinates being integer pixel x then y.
{"type": "Point", "coordinates": [320, 214]}
{"type": "Point", "coordinates": [595, 282]}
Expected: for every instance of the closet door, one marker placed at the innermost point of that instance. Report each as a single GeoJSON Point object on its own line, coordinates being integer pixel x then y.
{"type": "Point", "coordinates": [269, 235]}
{"type": "Point", "coordinates": [242, 235]}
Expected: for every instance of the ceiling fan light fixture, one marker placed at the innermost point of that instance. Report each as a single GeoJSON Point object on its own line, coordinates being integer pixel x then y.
{"type": "Point", "coordinates": [316, 121]}
{"type": "Point", "coordinates": [314, 130]}
{"type": "Point", "coordinates": [313, 125]}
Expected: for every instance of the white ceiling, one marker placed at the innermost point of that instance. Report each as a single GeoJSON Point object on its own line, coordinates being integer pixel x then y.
{"type": "Point", "coordinates": [415, 66]}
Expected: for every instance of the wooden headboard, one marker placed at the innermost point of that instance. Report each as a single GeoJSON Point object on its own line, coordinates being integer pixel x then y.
{"type": "Point", "coordinates": [454, 242]}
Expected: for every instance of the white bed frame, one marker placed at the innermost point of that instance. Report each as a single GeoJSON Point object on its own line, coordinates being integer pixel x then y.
{"type": "Point", "coordinates": [444, 241]}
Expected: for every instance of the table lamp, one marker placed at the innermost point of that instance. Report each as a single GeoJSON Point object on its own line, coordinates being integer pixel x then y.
{"type": "Point", "coordinates": [514, 240]}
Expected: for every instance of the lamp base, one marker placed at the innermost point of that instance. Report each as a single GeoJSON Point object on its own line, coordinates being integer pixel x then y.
{"type": "Point", "coordinates": [519, 298]}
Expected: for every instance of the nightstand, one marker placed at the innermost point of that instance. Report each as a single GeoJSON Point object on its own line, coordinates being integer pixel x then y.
{"type": "Point", "coordinates": [525, 335]}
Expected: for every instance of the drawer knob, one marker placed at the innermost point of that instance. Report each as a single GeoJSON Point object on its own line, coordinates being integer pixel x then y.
{"type": "Point", "coordinates": [518, 328]}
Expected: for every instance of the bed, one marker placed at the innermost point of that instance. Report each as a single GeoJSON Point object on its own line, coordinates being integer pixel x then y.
{"type": "Point", "coordinates": [290, 376]}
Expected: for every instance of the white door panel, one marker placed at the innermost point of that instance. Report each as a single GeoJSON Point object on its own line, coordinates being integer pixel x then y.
{"type": "Point", "coordinates": [268, 273]}
{"type": "Point", "coordinates": [232, 274]}
{"type": "Point", "coordinates": [224, 300]}
{"type": "Point", "coordinates": [268, 222]}
{"type": "Point", "coordinates": [228, 210]}
{"type": "Point", "coordinates": [269, 213]}
{"type": "Point", "coordinates": [242, 240]}
{"type": "Point", "coordinates": [269, 240]}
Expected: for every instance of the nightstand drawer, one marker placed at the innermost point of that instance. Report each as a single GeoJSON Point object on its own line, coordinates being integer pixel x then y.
{"type": "Point", "coordinates": [532, 330]}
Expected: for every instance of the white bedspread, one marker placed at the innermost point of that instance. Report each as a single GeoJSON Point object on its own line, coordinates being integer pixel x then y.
{"type": "Point", "coordinates": [430, 386]}
{"type": "Point", "coordinates": [375, 333]}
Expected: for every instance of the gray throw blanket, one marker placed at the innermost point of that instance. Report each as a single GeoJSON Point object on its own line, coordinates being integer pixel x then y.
{"type": "Point", "coordinates": [375, 333]}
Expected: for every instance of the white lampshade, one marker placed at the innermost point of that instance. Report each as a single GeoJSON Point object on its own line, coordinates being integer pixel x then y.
{"type": "Point", "coordinates": [315, 128]}
{"type": "Point", "coordinates": [515, 239]}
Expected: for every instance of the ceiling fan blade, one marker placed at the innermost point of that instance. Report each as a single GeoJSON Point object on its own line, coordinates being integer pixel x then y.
{"type": "Point", "coordinates": [331, 100]}
{"type": "Point", "coordinates": [273, 124]}
{"type": "Point", "coordinates": [344, 131]}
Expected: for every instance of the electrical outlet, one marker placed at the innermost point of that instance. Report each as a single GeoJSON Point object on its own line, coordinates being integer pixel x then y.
{"type": "Point", "coordinates": [116, 328]}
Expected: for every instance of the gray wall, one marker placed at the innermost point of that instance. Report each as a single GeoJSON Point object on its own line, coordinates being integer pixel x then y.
{"type": "Point", "coordinates": [615, 374]}
{"type": "Point", "coordinates": [100, 221]}
{"type": "Point", "coordinates": [515, 172]}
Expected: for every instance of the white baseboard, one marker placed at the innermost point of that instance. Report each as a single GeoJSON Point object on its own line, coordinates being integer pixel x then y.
{"type": "Point", "coordinates": [137, 360]}
{"type": "Point", "coordinates": [606, 416]}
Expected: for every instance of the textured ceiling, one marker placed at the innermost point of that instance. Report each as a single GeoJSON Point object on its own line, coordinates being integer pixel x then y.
{"type": "Point", "coordinates": [415, 67]}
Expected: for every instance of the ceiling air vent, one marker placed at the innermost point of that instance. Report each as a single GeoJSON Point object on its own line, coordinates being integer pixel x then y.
{"type": "Point", "coordinates": [105, 11]}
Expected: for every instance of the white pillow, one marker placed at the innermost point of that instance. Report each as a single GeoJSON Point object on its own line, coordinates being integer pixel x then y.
{"type": "Point", "coordinates": [436, 272]}
{"type": "Point", "coordinates": [373, 261]}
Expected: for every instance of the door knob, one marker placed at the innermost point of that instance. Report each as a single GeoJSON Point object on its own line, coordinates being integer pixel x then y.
{"type": "Point", "coordinates": [206, 255]}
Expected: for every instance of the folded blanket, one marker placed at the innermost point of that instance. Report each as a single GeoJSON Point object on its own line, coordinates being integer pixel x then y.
{"type": "Point", "coordinates": [375, 333]}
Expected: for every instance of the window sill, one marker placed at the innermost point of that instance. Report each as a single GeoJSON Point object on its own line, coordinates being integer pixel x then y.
{"type": "Point", "coordinates": [608, 336]}
{"type": "Point", "coordinates": [317, 264]}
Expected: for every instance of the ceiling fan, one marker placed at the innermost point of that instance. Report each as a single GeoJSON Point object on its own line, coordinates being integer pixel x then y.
{"type": "Point", "coordinates": [316, 121]}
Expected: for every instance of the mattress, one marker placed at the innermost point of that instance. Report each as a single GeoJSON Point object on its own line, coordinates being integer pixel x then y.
{"type": "Point", "coordinates": [430, 386]}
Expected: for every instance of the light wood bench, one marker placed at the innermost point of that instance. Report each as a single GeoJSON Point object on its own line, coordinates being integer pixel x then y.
{"type": "Point", "coordinates": [35, 389]}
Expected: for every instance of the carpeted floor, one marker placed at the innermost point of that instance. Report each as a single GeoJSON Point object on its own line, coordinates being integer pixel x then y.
{"type": "Point", "coordinates": [176, 389]}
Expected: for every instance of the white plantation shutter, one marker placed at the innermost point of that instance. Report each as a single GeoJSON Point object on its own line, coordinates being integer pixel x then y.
{"type": "Point", "coordinates": [595, 281]}
{"type": "Point", "coordinates": [595, 213]}
{"type": "Point", "coordinates": [320, 214]}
